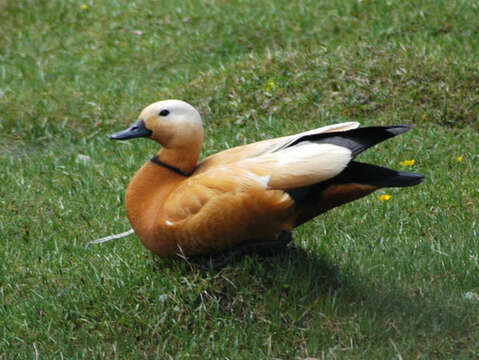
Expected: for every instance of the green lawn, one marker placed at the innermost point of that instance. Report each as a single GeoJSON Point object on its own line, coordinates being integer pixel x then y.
{"type": "Point", "coordinates": [369, 280]}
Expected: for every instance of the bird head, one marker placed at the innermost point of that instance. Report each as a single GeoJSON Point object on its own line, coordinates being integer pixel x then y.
{"type": "Point", "coordinates": [172, 123]}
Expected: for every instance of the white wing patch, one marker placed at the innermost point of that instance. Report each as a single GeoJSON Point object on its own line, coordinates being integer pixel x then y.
{"type": "Point", "coordinates": [327, 156]}
{"type": "Point", "coordinates": [325, 129]}
{"type": "Point", "coordinates": [332, 128]}
{"type": "Point", "coordinates": [304, 164]}
{"type": "Point", "coordinates": [261, 148]}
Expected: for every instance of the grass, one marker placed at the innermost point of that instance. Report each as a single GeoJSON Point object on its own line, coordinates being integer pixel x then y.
{"type": "Point", "coordinates": [368, 280]}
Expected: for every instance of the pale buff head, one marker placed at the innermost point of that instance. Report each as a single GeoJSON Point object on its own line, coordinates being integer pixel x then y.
{"type": "Point", "coordinates": [172, 123]}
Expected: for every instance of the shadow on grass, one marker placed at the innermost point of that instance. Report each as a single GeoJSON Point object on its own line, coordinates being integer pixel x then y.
{"type": "Point", "coordinates": [314, 280]}
{"type": "Point", "coordinates": [392, 304]}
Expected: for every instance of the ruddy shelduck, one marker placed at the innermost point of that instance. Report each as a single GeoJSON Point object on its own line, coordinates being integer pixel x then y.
{"type": "Point", "coordinates": [250, 194]}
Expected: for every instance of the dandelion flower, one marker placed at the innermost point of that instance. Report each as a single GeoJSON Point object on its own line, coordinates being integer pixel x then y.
{"type": "Point", "coordinates": [270, 85]}
{"type": "Point", "coordinates": [84, 6]}
{"type": "Point", "coordinates": [384, 198]}
{"type": "Point", "coordinates": [459, 159]}
{"type": "Point", "coordinates": [408, 162]}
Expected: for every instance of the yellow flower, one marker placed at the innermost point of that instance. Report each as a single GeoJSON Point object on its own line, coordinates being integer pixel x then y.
{"type": "Point", "coordinates": [408, 162]}
{"type": "Point", "coordinates": [84, 6]}
{"type": "Point", "coordinates": [270, 85]}
{"type": "Point", "coordinates": [459, 159]}
{"type": "Point", "coordinates": [384, 198]}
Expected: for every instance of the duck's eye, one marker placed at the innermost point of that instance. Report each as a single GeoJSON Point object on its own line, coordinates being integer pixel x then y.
{"type": "Point", "coordinates": [164, 112]}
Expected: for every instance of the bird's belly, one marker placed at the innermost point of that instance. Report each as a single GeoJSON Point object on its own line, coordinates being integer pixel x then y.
{"type": "Point", "coordinates": [211, 231]}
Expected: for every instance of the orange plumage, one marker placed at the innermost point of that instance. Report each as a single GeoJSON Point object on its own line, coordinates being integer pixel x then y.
{"type": "Point", "coordinates": [246, 194]}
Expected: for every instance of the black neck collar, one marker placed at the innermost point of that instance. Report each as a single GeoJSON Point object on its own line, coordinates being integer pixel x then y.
{"type": "Point", "coordinates": [172, 168]}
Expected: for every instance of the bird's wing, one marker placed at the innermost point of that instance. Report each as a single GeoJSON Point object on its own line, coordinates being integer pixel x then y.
{"type": "Point", "coordinates": [303, 164]}
{"type": "Point", "coordinates": [265, 147]}
{"type": "Point", "coordinates": [315, 157]}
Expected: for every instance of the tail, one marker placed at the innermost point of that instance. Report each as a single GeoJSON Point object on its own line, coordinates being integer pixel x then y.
{"type": "Point", "coordinates": [376, 176]}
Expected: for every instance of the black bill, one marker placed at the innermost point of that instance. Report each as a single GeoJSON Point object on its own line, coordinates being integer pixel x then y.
{"type": "Point", "coordinates": [138, 129]}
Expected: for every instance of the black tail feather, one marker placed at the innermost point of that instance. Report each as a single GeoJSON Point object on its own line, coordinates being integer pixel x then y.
{"type": "Point", "coordinates": [360, 173]}
{"type": "Point", "coordinates": [368, 174]}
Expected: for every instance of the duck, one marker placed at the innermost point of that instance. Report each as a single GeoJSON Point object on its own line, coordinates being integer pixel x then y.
{"type": "Point", "coordinates": [249, 195]}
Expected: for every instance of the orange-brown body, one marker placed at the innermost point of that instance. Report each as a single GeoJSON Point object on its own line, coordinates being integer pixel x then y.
{"type": "Point", "coordinates": [173, 215]}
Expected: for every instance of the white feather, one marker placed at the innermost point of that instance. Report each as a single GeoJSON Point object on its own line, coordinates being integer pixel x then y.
{"type": "Point", "coordinates": [110, 237]}
{"type": "Point", "coordinates": [300, 165]}
{"type": "Point", "coordinates": [325, 129]}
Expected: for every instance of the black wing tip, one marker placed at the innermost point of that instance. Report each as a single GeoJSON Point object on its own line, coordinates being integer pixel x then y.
{"type": "Point", "coordinates": [399, 129]}
{"type": "Point", "coordinates": [364, 138]}
{"type": "Point", "coordinates": [357, 140]}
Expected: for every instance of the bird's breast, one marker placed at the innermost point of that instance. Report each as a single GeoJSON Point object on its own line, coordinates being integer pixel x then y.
{"type": "Point", "coordinates": [145, 196]}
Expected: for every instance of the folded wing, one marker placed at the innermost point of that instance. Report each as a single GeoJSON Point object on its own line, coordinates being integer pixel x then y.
{"type": "Point", "coordinates": [266, 146]}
